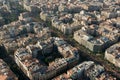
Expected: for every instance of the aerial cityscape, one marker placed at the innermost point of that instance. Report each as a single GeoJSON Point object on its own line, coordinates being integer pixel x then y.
{"type": "Point", "coordinates": [59, 39]}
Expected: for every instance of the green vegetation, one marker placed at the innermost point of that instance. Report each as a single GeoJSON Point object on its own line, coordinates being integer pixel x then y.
{"type": "Point", "coordinates": [47, 58]}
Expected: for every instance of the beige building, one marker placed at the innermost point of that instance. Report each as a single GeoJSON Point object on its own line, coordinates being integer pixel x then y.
{"type": "Point", "coordinates": [112, 54]}
{"type": "Point", "coordinates": [97, 38]}
{"type": "Point", "coordinates": [35, 68]}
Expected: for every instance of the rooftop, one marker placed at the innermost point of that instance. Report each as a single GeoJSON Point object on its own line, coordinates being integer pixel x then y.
{"type": "Point", "coordinates": [5, 72]}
